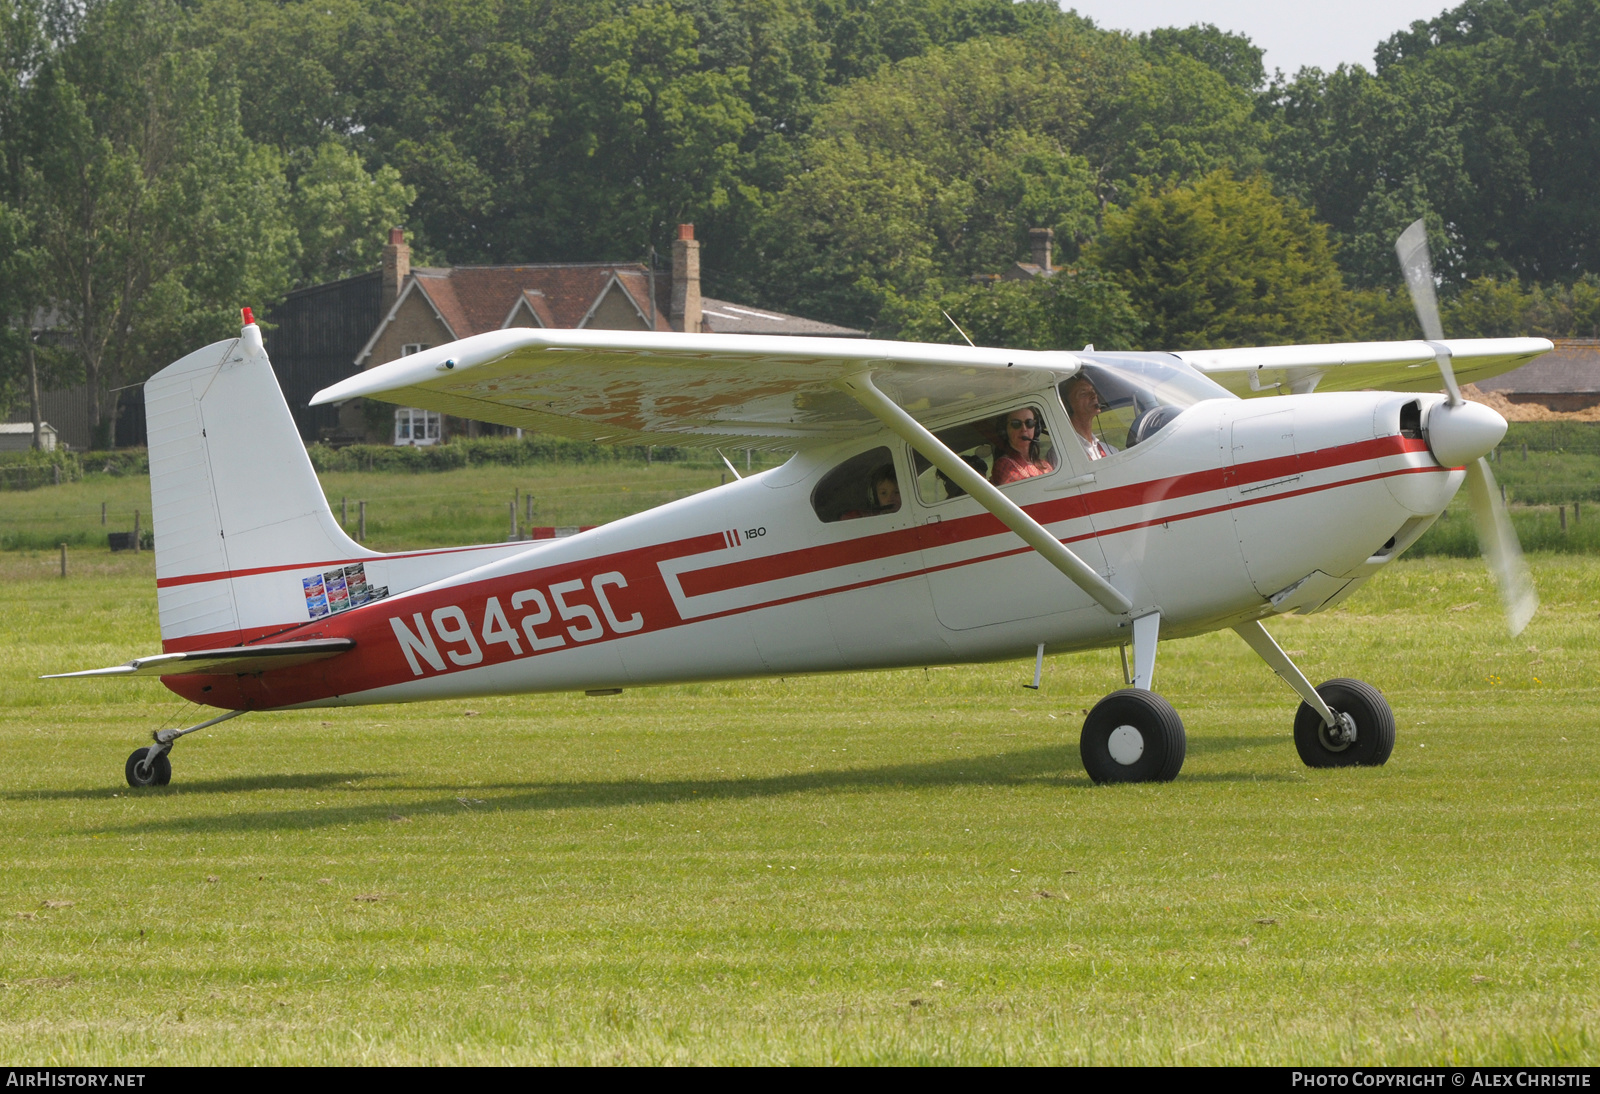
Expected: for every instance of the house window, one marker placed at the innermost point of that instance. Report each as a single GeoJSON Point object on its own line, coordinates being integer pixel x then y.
{"type": "Point", "coordinates": [413, 426]}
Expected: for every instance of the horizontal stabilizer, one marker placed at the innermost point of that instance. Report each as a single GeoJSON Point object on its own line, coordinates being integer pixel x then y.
{"type": "Point", "coordinates": [232, 660]}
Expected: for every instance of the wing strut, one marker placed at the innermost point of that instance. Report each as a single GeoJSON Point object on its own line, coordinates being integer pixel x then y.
{"type": "Point", "coordinates": [1003, 508]}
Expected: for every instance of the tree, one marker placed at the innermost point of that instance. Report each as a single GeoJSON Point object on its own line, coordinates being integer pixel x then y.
{"type": "Point", "coordinates": [23, 47]}
{"type": "Point", "coordinates": [1486, 119]}
{"type": "Point", "coordinates": [156, 216]}
{"type": "Point", "coordinates": [1224, 262]}
{"type": "Point", "coordinates": [647, 137]}
{"type": "Point", "coordinates": [931, 170]}
{"type": "Point", "coordinates": [1068, 311]}
{"type": "Point", "coordinates": [340, 212]}
{"type": "Point", "coordinates": [1232, 56]}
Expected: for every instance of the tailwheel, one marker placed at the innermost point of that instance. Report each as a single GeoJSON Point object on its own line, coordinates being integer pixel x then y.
{"type": "Point", "coordinates": [144, 771]}
{"type": "Point", "coordinates": [1364, 735]}
{"type": "Point", "coordinates": [1133, 736]}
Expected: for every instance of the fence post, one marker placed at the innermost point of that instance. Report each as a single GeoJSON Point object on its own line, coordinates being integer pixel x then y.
{"type": "Point", "coordinates": [513, 507]}
{"type": "Point", "coordinates": [529, 499]}
{"type": "Point", "coordinates": [344, 512]}
{"type": "Point", "coordinates": [1563, 519]}
{"type": "Point", "coordinates": [102, 514]}
{"type": "Point", "coordinates": [361, 527]}
{"type": "Point", "coordinates": [58, 474]}
{"type": "Point", "coordinates": [63, 560]}
{"type": "Point", "coordinates": [136, 531]}
{"type": "Point", "coordinates": [1524, 451]}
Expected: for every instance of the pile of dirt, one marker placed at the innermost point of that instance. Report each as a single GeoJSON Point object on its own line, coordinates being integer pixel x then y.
{"type": "Point", "coordinates": [1526, 412]}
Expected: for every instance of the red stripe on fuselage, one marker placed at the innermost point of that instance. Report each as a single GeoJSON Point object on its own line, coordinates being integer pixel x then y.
{"type": "Point", "coordinates": [979, 525]}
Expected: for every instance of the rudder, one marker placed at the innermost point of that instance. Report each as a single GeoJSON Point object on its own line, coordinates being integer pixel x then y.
{"type": "Point", "coordinates": [232, 489]}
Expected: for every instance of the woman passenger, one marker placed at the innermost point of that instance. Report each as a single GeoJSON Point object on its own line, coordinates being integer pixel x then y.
{"type": "Point", "coordinates": [1018, 457]}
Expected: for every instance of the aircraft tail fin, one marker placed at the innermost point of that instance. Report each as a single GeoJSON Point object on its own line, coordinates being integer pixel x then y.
{"type": "Point", "coordinates": [232, 490]}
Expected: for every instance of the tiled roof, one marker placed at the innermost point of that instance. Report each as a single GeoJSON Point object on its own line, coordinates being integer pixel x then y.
{"type": "Point", "coordinates": [475, 299]}
{"type": "Point", "coordinates": [1573, 367]}
{"type": "Point", "coordinates": [721, 317]}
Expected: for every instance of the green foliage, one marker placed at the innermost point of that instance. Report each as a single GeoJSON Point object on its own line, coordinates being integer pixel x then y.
{"type": "Point", "coordinates": [1486, 308]}
{"type": "Point", "coordinates": [1068, 311]}
{"type": "Point", "coordinates": [1224, 262]}
{"type": "Point", "coordinates": [1162, 116]}
{"type": "Point", "coordinates": [32, 469]}
{"type": "Point", "coordinates": [648, 136]}
{"type": "Point", "coordinates": [340, 213]}
{"type": "Point", "coordinates": [530, 450]}
{"type": "Point", "coordinates": [1485, 118]}
{"type": "Point", "coordinates": [1232, 56]}
{"type": "Point", "coordinates": [933, 169]}
{"type": "Point", "coordinates": [855, 160]}
{"type": "Point", "coordinates": [154, 214]}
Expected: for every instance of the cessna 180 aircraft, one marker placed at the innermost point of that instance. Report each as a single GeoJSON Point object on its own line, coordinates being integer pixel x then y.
{"type": "Point", "coordinates": [944, 504]}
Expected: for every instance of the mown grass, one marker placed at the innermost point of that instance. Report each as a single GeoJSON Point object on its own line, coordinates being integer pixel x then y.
{"type": "Point", "coordinates": [897, 867]}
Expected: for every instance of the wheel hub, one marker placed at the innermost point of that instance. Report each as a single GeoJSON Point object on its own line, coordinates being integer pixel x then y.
{"type": "Point", "coordinates": [1341, 735]}
{"type": "Point", "coordinates": [1126, 745]}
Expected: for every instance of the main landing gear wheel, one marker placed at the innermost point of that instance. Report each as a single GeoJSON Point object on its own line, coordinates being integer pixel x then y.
{"type": "Point", "coordinates": [143, 772]}
{"type": "Point", "coordinates": [1364, 736]}
{"type": "Point", "coordinates": [1133, 736]}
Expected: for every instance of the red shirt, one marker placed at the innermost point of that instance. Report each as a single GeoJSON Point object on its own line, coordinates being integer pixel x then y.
{"type": "Point", "coordinates": [1013, 468]}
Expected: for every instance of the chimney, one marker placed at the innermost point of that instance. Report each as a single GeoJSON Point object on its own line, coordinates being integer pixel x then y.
{"type": "Point", "coordinates": [1041, 241]}
{"type": "Point", "coordinates": [396, 267]}
{"type": "Point", "coordinates": [685, 309]}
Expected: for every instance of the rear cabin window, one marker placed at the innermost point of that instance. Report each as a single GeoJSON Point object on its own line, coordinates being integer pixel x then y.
{"type": "Point", "coordinates": [862, 486]}
{"type": "Point", "coordinates": [990, 446]}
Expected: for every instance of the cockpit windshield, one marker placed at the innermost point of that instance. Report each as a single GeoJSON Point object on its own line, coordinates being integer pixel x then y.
{"type": "Point", "coordinates": [1138, 395]}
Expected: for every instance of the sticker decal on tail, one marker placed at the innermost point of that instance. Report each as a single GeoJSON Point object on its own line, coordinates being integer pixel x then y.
{"type": "Point", "coordinates": [332, 591]}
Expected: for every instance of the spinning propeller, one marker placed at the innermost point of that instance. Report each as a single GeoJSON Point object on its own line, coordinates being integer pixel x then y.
{"type": "Point", "coordinates": [1463, 433]}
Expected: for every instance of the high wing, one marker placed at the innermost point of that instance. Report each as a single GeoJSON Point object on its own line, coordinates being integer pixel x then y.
{"type": "Point", "coordinates": [1360, 366]}
{"type": "Point", "coordinates": [223, 662]}
{"type": "Point", "coordinates": [742, 391]}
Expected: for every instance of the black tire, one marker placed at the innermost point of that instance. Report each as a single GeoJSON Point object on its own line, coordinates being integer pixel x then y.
{"type": "Point", "coordinates": [1374, 721]}
{"type": "Point", "coordinates": [1157, 738]}
{"type": "Point", "coordinates": [155, 774]}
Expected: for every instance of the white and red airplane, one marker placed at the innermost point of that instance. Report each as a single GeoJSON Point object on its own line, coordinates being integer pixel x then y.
{"type": "Point", "coordinates": [882, 542]}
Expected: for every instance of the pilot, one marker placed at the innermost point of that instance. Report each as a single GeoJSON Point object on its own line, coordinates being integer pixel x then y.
{"type": "Point", "coordinates": [1018, 457]}
{"type": "Point", "coordinates": [1083, 403]}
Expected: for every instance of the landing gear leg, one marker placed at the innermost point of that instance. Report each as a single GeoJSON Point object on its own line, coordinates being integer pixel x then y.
{"type": "Point", "coordinates": [150, 766]}
{"type": "Point", "coordinates": [1134, 735]}
{"type": "Point", "coordinates": [1343, 723]}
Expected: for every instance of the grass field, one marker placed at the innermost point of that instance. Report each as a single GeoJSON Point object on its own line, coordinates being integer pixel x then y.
{"type": "Point", "coordinates": [900, 867]}
{"type": "Point", "coordinates": [404, 511]}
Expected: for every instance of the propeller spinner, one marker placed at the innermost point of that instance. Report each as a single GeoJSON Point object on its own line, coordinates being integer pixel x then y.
{"type": "Point", "coordinates": [1463, 433]}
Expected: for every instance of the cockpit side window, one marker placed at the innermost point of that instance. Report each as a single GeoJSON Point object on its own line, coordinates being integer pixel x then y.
{"type": "Point", "coordinates": [1003, 448]}
{"type": "Point", "coordinates": [865, 485]}
{"type": "Point", "coordinates": [1112, 408]}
